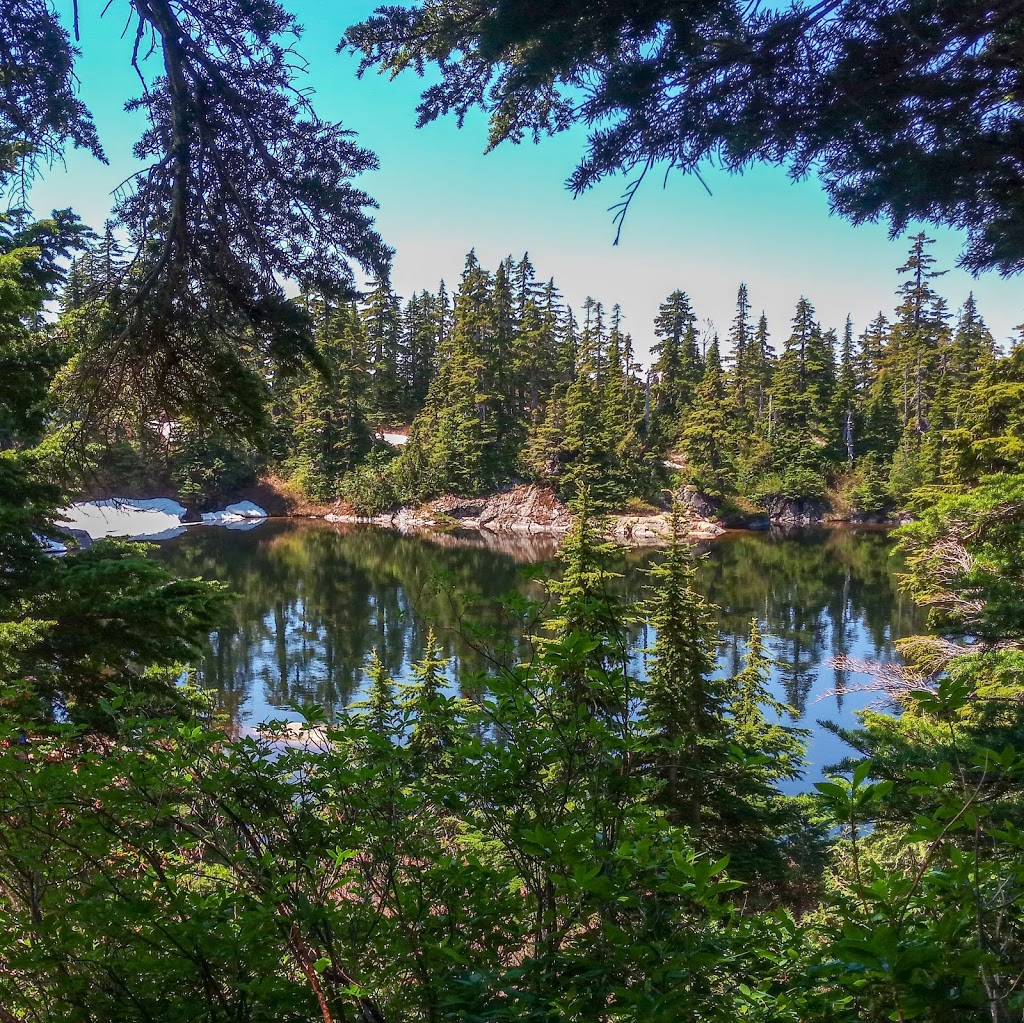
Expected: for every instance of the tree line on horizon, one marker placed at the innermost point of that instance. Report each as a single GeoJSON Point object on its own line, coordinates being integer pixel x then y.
{"type": "Point", "coordinates": [502, 380]}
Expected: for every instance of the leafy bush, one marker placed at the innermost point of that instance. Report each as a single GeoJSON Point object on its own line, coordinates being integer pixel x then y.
{"type": "Point", "coordinates": [373, 487]}
{"type": "Point", "coordinates": [795, 483]}
{"type": "Point", "coordinates": [869, 487]}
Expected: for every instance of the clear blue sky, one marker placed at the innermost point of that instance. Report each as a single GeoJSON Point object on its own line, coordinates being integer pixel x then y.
{"type": "Point", "coordinates": [440, 196]}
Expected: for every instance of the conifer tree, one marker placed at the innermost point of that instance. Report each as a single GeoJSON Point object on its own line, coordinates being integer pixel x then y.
{"type": "Point", "coordinates": [588, 451]}
{"type": "Point", "coordinates": [418, 349]}
{"type": "Point", "coordinates": [908, 471]}
{"type": "Point", "coordinates": [757, 820]}
{"type": "Point", "coordinates": [329, 432]}
{"type": "Point", "coordinates": [683, 707]}
{"type": "Point", "coordinates": [568, 334]}
{"type": "Point", "coordinates": [972, 351]}
{"type": "Point", "coordinates": [820, 376]}
{"type": "Point", "coordinates": [871, 347]}
{"type": "Point", "coordinates": [452, 442]}
{"type": "Point", "coordinates": [740, 342]}
{"type": "Point", "coordinates": [539, 357]}
{"type": "Point", "coordinates": [616, 399]}
{"type": "Point", "coordinates": [585, 558]}
{"type": "Point", "coordinates": [443, 317]}
{"type": "Point", "coordinates": [380, 313]}
{"type": "Point", "coordinates": [995, 422]}
{"type": "Point", "coordinates": [939, 447]}
{"type": "Point", "coordinates": [381, 706]}
{"type": "Point", "coordinates": [587, 624]}
{"type": "Point", "coordinates": [846, 395]}
{"type": "Point", "coordinates": [98, 273]}
{"type": "Point", "coordinates": [542, 453]}
{"type": "Point", "coordinates": [759, 368]}
{"type": "Point", "coordinates": [919, 336]}
{"type": "Point", "coordinates": [500, 351]}
{"type": "Point", "coordinates": [677, 367]}
{"type": "Point", "coordinates": [881, 428]}
{"type": "Point", "coordinates": [707, 427]}
{"type": "Point", "coordinates": [800, 384]}
{"type": "Point", "coordinates": [435, 725]}
{"type": "Point", "coordinates": [592, 339]}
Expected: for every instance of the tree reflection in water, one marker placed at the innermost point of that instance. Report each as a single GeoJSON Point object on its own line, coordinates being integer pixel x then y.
{"type": "Point", "coordinates": [315, 599]}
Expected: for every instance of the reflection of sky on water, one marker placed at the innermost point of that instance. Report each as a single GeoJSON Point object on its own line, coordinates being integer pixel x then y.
{"type": "Point", "coordinates": [313, 600]}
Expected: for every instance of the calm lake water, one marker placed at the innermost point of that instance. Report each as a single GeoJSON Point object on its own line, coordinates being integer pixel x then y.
{"type": "Point", "coordinates": [315, 599]}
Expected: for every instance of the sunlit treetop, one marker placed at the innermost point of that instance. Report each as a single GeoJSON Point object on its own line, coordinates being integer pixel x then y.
{"type": "Point", "coordinates": [907, 109]}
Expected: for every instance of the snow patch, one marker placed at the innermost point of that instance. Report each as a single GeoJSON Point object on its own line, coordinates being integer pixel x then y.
{"type": "Point", "coordinates": [154, 519]}
{"type": "Point", "coordinates": [50, 546]}
{"type": "Point", "coordinates": [243, 515]}
{"type": "Point", "coordinates": [164, 504]}
{"type": "Point", "coordinates": [246, 510]}
{"type": "Point", "coordinates": [395, 439]}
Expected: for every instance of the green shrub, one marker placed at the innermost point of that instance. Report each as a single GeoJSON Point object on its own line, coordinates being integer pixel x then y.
{"type": "Point", "coordinates": [373, 487]}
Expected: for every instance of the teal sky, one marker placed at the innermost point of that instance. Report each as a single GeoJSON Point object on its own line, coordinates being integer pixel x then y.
{"type": "Point", "coordinates": [440, 196]}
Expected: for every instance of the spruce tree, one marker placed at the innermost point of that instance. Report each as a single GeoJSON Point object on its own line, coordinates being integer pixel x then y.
{"type": "Point", "coordinates": [871, 346]}
{"type": "Point", "coordinates": [380, 705]}
{"type": "Point", "coordinates": [380, 313]}
{"type": "Point", "coordinates": [741, 386]}
{"type": "Point", "coordinates": [435, 724]}
{"type": "Point", "coordinates": [707, 431]}
{"type": "Point", "coordinates": [919, 337]}
{"type": "Point", "coordinates": [676, 367]}
{"type": "Point", "coordinates": [683, 707]}
{"type": "Point", "coordinates": [328, 431]}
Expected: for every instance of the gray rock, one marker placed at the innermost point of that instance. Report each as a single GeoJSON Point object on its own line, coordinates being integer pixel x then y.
{"type": "Point", "coordinates": [787, 511]}
{"type": "Point", "coordinates": [701, 506]}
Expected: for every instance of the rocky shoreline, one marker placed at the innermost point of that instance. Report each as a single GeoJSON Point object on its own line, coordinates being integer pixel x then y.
{"type": "Point", "coordinates": [527, 510]}
{"type": "Point", "coordinates": [523, 510]}
{"type": "Point", "coordinates": [530, 509]}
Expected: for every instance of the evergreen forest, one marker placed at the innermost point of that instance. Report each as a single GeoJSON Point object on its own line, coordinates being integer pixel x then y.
{"type": "Point", "coordinates": [551, 834]}
{"type": "Point", "coordinates": [502, 381]}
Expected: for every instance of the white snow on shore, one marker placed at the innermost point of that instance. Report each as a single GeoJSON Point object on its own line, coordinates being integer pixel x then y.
{"type": "Point", "coordinates": [244, 514]}
{"type": "Point", "coordinates": [50, 546]}
{"type": "Point", "coordinates": [153, 519]}
{"type": "Point", "coordinates": [396, 439]}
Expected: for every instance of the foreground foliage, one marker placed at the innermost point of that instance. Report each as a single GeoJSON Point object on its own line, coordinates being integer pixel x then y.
{"type": "Point", "coordinates": [573, 844]}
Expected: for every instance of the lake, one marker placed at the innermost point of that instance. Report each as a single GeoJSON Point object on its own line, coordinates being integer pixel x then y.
{"type": "Point", "coordinates": [313, 599]}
